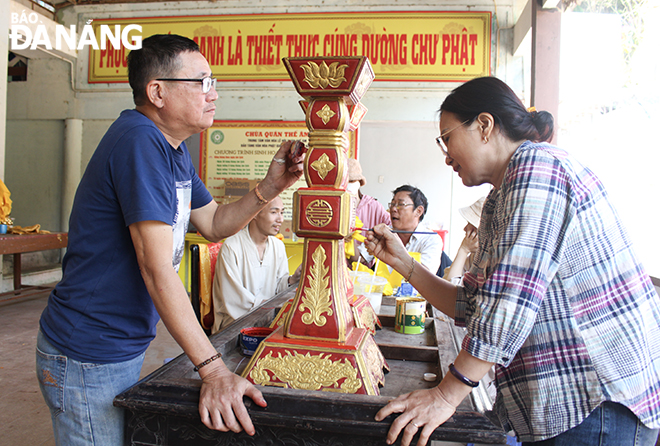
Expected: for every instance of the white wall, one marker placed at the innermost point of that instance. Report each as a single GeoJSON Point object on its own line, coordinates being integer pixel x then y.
{"type": "Point", "coordinates": [403, 152]}
{"type": "Point", "coordinates": [609, 117]}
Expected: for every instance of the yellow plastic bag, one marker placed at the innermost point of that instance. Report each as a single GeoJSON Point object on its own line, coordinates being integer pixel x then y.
{"type": "Point", "coordinates": [395, 278]}
{"type": "Point", "coordinates": [5, 204]}
{"type": "Point", "coordinates": [206, 314]}
{"type": "Point", "coordinates": [34, 229]}
{"type": "Point", "coordinates": [383, 271]}
{"type": "Point", "coordinates": [349, 246]}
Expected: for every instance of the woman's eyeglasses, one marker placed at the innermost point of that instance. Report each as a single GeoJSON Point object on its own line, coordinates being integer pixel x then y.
{"type": "Point", "coordinates": [441, 142]}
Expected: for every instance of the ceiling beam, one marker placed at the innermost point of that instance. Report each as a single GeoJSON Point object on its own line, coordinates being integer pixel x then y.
{"type": "Point", "coordinates": [523, 27]}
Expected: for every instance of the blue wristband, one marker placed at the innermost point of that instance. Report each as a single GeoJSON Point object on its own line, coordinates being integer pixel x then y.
{"type": "Point", "coordinates": [462, 378]}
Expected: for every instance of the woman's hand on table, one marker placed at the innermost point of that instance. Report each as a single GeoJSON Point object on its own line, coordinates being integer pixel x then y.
{"type": "Point", "coordinates": [423, 410]}
{"type": "Point", "coordinates": [221, 401]}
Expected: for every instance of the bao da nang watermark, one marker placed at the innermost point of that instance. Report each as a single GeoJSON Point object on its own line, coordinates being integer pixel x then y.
{"type": "Point", "coordinates": [21, 36]}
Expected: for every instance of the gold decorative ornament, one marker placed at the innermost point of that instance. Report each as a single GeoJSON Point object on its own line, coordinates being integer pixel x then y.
{"type": "Point", "coordinates": [374, 360]}
{"type": "Point", "coordinates": [323, 166]}
{"type": "Point", "coordinates": [319, 213]}
{"type": "Point", "coordinates": [372, 353]}
{"type": "Point", "coordinates": [320, 345]}
{"type": "Point", "coordinates": [368, 320]}
{"type": "Point", "coordinates": [325, 138]}
{"type": "Point", "coordinates": [307, 372]}
{"type": "Point", "coordinates": [317, 295]}
{"type": "Point", "coordinates": [321, 76]}
{"type": "Point", "coordinates": [325, 114]}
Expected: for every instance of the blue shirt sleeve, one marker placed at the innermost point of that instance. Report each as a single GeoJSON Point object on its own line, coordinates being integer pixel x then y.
{"type": "Point", "coordinates": [142, 176]}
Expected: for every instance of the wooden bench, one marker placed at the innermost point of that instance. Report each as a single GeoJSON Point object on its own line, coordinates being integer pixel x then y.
{"type": "Point", "coordinates": [18, 244]}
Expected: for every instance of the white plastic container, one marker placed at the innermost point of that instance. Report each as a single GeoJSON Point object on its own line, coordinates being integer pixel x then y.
{"type": "Point", "coordinates": [373, 289]}
{"type": "Point", "coordinates": [358, 288]}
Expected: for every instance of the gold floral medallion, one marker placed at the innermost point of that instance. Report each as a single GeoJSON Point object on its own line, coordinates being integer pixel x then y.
{"type": "Point", "coordinates": [323, 166]}
{"type": "Point", "coordinates": [325, 114]}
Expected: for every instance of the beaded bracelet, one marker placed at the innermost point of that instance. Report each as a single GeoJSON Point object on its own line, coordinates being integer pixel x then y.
{"type": "Point", "coordinates": [207, 362]}
{"type": "Point", "coordinates": [412, 268]}
{"type": "Point", "coordinates": [462, 378]}
{"type": "Point", "coordinates": [260, 197]}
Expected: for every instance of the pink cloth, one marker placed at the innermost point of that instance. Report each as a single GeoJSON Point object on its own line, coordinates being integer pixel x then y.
{"type": "Point", "coordinates": [371, 212]}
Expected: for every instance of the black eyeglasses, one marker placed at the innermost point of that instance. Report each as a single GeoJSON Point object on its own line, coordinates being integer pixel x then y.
{"type": "Point", "coordinates": [207, 82]}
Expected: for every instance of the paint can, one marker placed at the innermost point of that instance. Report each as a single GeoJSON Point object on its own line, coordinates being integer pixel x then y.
{"type": "Point", "coordinates": [410, 315]}
{"type": "Point", "coordinates": [251, 337]}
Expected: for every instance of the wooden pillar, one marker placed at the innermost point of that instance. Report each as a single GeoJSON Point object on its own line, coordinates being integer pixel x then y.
{"type": "Point", "coordinates": [546, 31]}
{"type": "Point", "coordinates": [73, 134]}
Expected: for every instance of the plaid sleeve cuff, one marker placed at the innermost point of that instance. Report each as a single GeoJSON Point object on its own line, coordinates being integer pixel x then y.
{"type": "Point", "coordinates": [460, 312]}
{"type": "Point", "coordinates": [486, 352]}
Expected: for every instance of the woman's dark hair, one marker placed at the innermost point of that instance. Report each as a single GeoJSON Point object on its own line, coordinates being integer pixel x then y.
{"type": "Point", "coordinates": [158, 57]}
{"type": "Point", "coordinates": [491, 95]}
{"type": "Point", "coordinates": [416, 195]}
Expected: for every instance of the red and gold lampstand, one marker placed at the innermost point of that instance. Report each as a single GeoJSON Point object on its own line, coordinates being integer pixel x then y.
{"type": "Point", "coordinates": [319, 346]}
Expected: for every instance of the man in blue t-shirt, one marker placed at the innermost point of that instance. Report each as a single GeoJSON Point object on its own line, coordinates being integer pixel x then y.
{"type": "Point", "coordinates": [127, 227]}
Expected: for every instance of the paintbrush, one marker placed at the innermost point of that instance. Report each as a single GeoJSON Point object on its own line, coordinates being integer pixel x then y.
{"type": "Point", "coordinates": [397, 231]}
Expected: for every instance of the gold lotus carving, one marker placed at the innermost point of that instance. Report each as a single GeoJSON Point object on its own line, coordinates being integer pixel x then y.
{"type": "Point", "coordinates": [307, 372]}
{"type": "Point", "coordinates": [325, 114]}
{"type": "Point", "coordinates": [323, 166]}
{"type": "Point", "coordinates": [316, 297]}
{"type": "Point", "coordinates": [321, 76]}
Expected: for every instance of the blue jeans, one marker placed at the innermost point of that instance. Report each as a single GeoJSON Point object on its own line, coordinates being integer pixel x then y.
{"type": "Point", "coordinates": [610, 424]}
{"type": "Point", "coordinates": [79, 396]}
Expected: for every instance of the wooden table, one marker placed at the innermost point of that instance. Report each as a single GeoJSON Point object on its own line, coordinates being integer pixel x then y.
{"type": "Point", "coordinates": [162, 408]}
{"type": "Point", "coordinates": [18, 244]}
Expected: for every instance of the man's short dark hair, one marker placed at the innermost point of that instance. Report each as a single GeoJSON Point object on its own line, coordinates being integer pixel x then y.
{"type": "Point", "coordinates": [158, 57]}
{"type": "Point", "coordinates": [416, 195]}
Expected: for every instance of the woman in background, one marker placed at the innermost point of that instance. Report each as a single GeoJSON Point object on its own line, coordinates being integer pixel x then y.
{"type": "Point", "coordinates": [463, 260]}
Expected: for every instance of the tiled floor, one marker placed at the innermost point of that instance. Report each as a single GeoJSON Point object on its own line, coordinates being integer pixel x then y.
{"type": "Point", "coordinates": [24, 416]}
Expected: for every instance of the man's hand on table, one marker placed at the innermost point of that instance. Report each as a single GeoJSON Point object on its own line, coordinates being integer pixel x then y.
{"type": "Point", "coordinates": [221, 400]}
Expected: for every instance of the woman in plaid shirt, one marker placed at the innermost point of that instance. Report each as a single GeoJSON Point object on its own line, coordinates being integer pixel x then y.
{"type": "Point", "coordinates": [555, 298]}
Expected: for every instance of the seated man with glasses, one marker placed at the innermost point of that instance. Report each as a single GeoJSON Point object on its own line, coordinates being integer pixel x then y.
{"type": "Point", "coordinates": [407, 210]}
